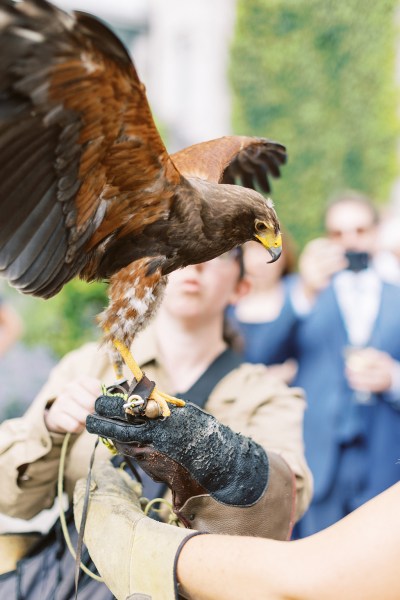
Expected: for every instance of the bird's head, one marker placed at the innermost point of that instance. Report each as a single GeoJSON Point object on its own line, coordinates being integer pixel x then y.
{"type": "Point", "coordinates": [266, 229]}
{"type": "Point", "coordinates": [227, 216]}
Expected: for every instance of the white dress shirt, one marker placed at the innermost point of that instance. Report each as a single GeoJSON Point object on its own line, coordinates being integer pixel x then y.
{"type": "Point", "coordinates": [358, 296]}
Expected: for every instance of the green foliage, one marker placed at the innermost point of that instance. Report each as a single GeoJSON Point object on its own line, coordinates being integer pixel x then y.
{"type": "Point", "coordinates": [64, 322]}
{"type": "Point", "coordinates": [318, 76]}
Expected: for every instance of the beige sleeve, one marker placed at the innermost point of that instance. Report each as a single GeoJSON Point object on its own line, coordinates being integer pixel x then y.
{"type": "Point", "coordinates": [252, 402]}
{"type": "Point", "coordinates": [29, 454]}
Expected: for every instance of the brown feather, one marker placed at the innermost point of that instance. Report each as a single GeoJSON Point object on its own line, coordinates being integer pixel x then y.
{"type": "Point", "coordinates": [90, 188]}
{"type": "Point", "coordinates": [134, 295]}
{"type": "Point", "coordinates": [224, 159]}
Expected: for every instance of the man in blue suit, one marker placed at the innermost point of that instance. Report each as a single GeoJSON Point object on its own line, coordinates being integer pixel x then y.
{"type": "Point", "coordinates": [348, 349]}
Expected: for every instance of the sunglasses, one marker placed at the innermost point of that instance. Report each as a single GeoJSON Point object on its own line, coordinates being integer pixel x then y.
{"type": "Point", "coordinates": [337, 234]}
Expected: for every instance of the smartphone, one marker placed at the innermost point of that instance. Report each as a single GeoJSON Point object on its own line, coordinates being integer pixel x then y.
{"type": "Point", "coordinates": [358, 261]}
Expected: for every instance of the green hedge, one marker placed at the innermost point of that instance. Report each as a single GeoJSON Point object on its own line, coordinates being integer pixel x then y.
{"type": "Point", "coordinates": [64, 322]}
{"type": "Point", "coordinates": [318, 76]}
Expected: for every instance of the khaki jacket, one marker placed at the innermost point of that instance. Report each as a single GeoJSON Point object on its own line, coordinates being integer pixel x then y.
{"type": "Point", "coordinates": [248, 400]}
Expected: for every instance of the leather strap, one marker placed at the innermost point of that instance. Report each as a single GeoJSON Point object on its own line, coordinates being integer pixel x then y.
{"type": "Point", "coordinates": [201, 390]}
{"type": "Point", "coordinates": [143, 389]}
{"type": "Point", "coordinates": [83, 523]}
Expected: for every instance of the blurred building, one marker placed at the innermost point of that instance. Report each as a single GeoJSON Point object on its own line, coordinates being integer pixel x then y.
{"type": "Point", "coordinates": [181, 50]}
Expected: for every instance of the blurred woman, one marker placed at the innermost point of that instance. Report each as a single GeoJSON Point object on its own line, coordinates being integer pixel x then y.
{"type": "Point", "coordinates": [265, 317]}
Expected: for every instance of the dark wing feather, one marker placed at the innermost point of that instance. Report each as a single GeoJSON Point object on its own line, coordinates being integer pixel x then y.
{"type": "Point", "coordinates": [82, 161]}
{"type": "Point", "coordinates": [229, 159]}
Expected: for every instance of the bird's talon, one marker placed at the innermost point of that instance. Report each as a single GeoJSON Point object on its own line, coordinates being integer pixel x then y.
{"type": "Point", "coordinates": [156, 406]}
{"type": "Point", "coordinates": [152, 411]}
{"type": "Point", "coordinates": [172, 399]}
{"type": "Point", "coordinates": [161, 400]}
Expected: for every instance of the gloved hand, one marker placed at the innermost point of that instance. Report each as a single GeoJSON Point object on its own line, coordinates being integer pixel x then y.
{"type": "Point", "coordinates": [133, 553]}
{"type": "Point", "coordinates": [221, 481]}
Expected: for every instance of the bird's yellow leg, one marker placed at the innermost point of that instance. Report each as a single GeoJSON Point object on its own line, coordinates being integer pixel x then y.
{"type": "Point", "coordinates": [170, 399]}
{"type": "Point", "coordinates": [160, 397]}
{"type": "Point", "coordinates": [129, 360]}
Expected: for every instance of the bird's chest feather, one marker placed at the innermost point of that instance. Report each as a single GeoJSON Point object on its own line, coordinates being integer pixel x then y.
{"type": "Point", "coordinates": [134, 298]}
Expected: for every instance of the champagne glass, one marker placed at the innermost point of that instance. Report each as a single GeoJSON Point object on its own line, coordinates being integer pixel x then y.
{"type": "Point", "coordinates": [356, 359]}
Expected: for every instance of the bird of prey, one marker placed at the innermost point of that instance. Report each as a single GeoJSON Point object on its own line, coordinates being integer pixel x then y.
{"type": "Point", "coordinates": [87, 186]}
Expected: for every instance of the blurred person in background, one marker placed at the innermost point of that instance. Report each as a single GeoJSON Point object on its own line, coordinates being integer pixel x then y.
{"type": "Point", "coordinates": [265, 316]}
{"type": "Point", "coordinates": [348, 352]}
{"type": "Point", "coordinates": [184, 351]}
{"type": "Point", "coordinates": [389, 238]}
{"type": "Point", "coordinates": [16, 391]}
{"type": "Point", "coordinates": [10, 327]}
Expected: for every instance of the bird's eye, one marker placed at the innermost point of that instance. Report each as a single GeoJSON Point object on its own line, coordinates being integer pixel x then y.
{"type": "Point", "coordinates": [260, 227]}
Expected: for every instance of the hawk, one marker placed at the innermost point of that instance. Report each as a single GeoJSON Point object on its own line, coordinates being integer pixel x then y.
{"type": "Point", "coordinates": [87, 186]}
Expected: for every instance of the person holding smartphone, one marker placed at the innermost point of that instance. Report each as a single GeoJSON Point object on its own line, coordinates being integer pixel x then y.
{"type": "Point", "coordinates": [348, 352]}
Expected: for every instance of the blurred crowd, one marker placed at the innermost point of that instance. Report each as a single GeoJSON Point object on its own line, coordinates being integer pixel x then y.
{"type": "Point", "coordinates": [333, 328]}
{"type": "Point", "coordinates": [325, 321]}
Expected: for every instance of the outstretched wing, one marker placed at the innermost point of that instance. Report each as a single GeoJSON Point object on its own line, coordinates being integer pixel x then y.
{"type": "Point", "coordinates": [224, 160]}
{"type": "Point", "coordinates": [82, 161]}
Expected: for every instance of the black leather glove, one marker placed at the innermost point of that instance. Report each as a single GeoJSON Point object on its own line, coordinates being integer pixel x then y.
{"type": "Point", "coordinates": [207, 466]}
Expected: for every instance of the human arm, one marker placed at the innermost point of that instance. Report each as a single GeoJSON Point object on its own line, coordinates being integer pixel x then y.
{"type": "Point", "coordinates": [285, 371]}
{"type": "Point", "coordinates": [10, 327]}
{"type": "Point", "coordinates": [355, 559]}
{"type": "Point", "coordinates": [319, 261]}
{"type": "Point", "coordinates": [375, 372]}
{"type": "Point", "coordinates": [29, 452]}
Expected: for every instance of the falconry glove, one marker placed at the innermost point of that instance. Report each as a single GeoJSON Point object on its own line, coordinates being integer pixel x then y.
{"type": "Point", "coordinates": [135, 555]}
{"type": "Point", "coordinates": [221, 481]}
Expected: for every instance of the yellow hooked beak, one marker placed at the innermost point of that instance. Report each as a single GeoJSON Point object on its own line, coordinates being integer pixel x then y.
{"type": "Point", "coordinates": [272, 242]}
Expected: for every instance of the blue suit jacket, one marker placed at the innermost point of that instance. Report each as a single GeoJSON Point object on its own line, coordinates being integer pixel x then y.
{"type": "Point", "coordinates": [332, 417]}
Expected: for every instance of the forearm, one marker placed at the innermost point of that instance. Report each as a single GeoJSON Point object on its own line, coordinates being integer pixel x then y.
{"type": "Point", "coordinates": [29, 453]}
{"type": "Point", "coordinates": [29, 459]}
{"type": "Point", "coordinates": [212, 567]}
{"type": "Point", "coordinates": [356, 559]}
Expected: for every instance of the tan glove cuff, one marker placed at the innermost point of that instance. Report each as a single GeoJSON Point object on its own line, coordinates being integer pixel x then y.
{"type": "Point", "coordinates": [272, 516]}
{"type": "Point", "coordinates": [134, 554]}
{"type": "Point", "coordinates": [154, 553]}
